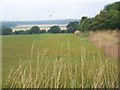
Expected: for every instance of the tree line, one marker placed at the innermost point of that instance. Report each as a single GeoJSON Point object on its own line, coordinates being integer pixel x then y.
{"type": "Point", "coordinates": [71, 27]}
{"type": "Point", "coordinates": [108, 18]}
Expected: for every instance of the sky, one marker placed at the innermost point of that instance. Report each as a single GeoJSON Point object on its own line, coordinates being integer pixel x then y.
{"type": "Point", "coordinates": [35, 10]}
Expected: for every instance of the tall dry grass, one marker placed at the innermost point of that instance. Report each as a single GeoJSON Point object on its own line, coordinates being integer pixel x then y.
{"type": "Point", "coordinates": [106, 40]}
{"type": "Point", "coordinates": [87, 72]}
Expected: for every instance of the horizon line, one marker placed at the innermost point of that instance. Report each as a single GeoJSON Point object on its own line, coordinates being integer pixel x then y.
{"type": "Point", "coordinates": [39, 20]}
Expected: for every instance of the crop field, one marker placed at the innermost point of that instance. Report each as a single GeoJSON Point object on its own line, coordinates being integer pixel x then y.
{"type": "Point", "coordinates": [56, 61]}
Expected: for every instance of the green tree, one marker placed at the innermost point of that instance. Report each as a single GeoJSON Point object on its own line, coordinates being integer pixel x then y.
{"type": "Point", "coordinates": [54, 29]}
{"type": "Point", "coordinates": [108, 18]}
{"type": "Point", "coordinates": [63, 31]}
{"type": "Point", "coordinates": [6, 31]}
{"type": "Point", "coordinates": [72, 26]}
{"type": "Point", "coordinates": [85, 24]}
{"type": "Point", "coordinates": [34, 30]}
{"type": "Point", "coordinates": [43, 31]}
{"type": "Point", "coordinates": [20, 32]}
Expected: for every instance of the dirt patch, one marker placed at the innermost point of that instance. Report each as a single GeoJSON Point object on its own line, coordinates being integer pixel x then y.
{"type": "Point", "coordinates": [107, 40]}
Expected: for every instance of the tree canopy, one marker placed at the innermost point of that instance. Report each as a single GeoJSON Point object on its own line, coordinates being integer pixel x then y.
{"type": "Point", "coordinates": [54, 29]}
{"type": "Point", "coordinates": [72, 26]}
{"type": "Point", "coordinates": [108, 18]}
{"type": "Point", "coordinates": [6, 31]}
{"type": "Point", "coordinates": [34, 30]}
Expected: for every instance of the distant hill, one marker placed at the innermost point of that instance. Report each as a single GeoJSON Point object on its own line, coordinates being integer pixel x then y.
{"type": "Point", "coordinates": [62, 21]}
{"type": "Point", "coordinates": [14, 23]}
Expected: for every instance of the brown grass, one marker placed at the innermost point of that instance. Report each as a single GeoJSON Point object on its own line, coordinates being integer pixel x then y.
{"type": "Point", "coordinates": [107, 40]}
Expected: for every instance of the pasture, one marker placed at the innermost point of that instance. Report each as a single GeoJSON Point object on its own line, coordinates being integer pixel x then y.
{"type": "Point", "coordinates": [55, 61]}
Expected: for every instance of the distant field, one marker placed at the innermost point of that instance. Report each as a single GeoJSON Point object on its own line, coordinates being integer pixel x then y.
{"type": "Point", "coordinates": [56, 60]}
{"type": "Point", "coordinates": [42, 26]}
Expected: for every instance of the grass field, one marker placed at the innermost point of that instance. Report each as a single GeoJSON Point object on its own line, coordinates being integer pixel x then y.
{"type": "Point", "coordinates": [55, 61]}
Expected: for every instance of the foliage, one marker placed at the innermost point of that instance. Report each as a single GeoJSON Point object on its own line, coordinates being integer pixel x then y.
{"type": "Point", "coordinates": [6, 31]}
{"type": "Point", "coordinates": [85, 24]}
{"type": "Point", "coordinates": [20, 32]}
{"type": "Point", "coordinates": [54, 29]}
{"type": "Point", "coordinates": [63, 31]}
{"type": "Point", "coordinates": [108, 18]}
{"type": "Point", "coordinates": [72, 27]}
{"type": "Point", "coordinates": [43, 31]}
{"type": "Point", "coordinates": [34, 30]}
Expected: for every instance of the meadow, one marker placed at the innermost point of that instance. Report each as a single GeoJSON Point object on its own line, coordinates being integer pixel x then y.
{"type": "Point", "coordinates": [56, 61]}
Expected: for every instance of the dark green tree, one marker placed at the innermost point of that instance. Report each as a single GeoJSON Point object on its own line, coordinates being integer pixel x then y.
{"type": "Point", "coordinates": [63, 31]}
{"type": "Point", "coordinates": [20, 32]}
{"type": "Point", "coordinates": [72, 26]}
{"type": "Point", "coordinates": [34, 30]}
{"type": "Point", "coordinates": [54, 29]}
{"type": "Point", "coordinates": [6, 31]}
{"type": "Point", "coordinates": [43, 31]}
{"type": "Point", "coordinates": [108, 18]}
{"type": "Point", "coordinates": [85, 24]}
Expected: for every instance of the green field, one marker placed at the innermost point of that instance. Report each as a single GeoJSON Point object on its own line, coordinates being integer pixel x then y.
{"type": "Point", "coordinates": [55, 61]}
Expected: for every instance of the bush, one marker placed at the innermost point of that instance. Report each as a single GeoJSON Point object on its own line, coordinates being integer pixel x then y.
{"type": "Point", "coordinates": [6, 31]}
{"type": "Point", "coordinates": [54, 29]}
{"type": "Point", "coordinates": [20, 32]}
{"type": "Point", "coordinates": [72, 26]}
{"type": "Point", "coordinates": [63, 31]}
{"type": "Point", "coordinates": [34, 30]}
{"type": "Point", "coordinates": [43, 31]}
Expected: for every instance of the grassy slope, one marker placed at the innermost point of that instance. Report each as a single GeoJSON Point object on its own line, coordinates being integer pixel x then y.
{"type": "Point", "coordinates": [70, 48]}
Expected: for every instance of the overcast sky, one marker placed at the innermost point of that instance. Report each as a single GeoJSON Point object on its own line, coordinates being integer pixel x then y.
{"type": "Point", "coordinates": [13, 10]}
